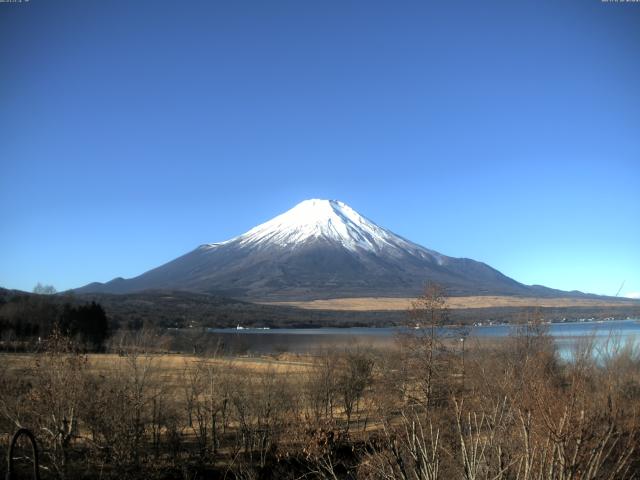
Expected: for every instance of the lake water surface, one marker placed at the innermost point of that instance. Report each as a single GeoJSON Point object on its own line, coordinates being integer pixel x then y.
{"type": "Point", "coordinates": [568, 335]}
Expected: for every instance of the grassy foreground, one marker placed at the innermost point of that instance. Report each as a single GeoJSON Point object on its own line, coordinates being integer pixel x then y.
{"type": "Point", "coordinates": [424, 408]}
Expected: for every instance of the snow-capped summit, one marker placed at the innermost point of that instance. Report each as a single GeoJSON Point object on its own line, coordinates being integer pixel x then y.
{"type": "Point", "coordinates": [312, 219]}
{"type": "Point", "coordinates": [318, 249]}
{"type": "Point", "coordinates": [325, 220]}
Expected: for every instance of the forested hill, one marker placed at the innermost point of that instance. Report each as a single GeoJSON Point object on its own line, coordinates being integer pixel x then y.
{"type": "Point", "coordinates": [179, 309]}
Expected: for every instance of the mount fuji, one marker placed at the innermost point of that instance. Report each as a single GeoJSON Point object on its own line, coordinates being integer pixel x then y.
{"type": "Point", "coordinates": [317, 250]}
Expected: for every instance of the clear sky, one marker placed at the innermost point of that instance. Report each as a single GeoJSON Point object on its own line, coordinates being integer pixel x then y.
{"type": "Point", "coordinates": [503, 131]}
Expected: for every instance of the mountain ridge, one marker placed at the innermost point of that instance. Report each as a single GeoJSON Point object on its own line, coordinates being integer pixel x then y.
{"type": "Point", "coordinates": [320, 249]}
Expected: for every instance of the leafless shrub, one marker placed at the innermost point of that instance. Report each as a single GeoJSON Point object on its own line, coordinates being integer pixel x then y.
{"type": "Point", "coordinates": [265, 410]}
{"type": "Point", "coordinates": [58, 385]}
{"type": "Point", "coordinates": [124, 407]}
{"type": "Point", "coordinates": [409, 449]}
{"type": "Point", "coordinates": [319, 387]}
{"type": "Point", "coordinates": [207, 398]}
{"type": "Point", "coordinates": [355, 370]}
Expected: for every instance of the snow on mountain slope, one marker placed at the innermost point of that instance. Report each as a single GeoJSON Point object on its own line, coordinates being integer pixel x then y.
{"type": "Point", "coordinates": [330, 220]}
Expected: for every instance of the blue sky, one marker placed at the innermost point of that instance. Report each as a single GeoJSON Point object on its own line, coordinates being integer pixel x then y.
{"type": "Point", "coordinates": [507, 132]}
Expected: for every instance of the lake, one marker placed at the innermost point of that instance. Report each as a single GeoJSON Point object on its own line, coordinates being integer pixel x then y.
{"type": "Point", "coordinates": [305, 340]}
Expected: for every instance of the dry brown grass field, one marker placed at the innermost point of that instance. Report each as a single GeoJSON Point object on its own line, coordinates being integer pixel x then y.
{"type": "Point", "coordinates": [506, 407]}
{"type": "Point", "coordinates": [170, 368]}
{"type": "Point", "coordinates": [394, 304]}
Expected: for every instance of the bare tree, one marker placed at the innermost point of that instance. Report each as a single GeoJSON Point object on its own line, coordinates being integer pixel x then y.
{"type": "Point", "coordinates": [320, 387]}
{"type": "Point", "coordinates": [44, 289]}
{"type": "Point", "coordinates": [409, 447]}
{"type": "Point", "coordinates": [354, 376]}
{"type": "Point", "coordinates": [429, 312]}
{"type": "Point", "coordinates": [58, 387]}
{"type": "Point", "coordinates": [207, 397]}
